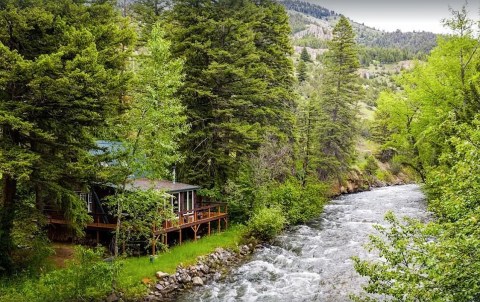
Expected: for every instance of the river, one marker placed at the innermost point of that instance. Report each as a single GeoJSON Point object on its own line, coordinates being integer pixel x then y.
{"type": "Point", "coordinates": [312, 262]}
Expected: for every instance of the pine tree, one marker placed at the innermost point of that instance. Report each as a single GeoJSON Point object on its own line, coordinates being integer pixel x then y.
{"type": "Point", "coordinates": [305, 56]}
{"type": "Point", "coordinates": [338, 107]}
{"type": "Point", "coordinates": [62, 75]}
{"type": "Point", "coordinates": [301, 71]}
{"type": "Point", "coordinates": [238, 81]}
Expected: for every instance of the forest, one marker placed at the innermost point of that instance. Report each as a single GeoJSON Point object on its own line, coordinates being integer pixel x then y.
{"type": "Point", "coordinates": [212, 93]}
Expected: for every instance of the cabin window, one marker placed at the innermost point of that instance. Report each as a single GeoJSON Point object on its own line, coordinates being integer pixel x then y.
{"type": "Point", "coordinates": [190, 200]}
{"type": "Point", "coordinates": [175, 200]}
{"type": "Point", "coordinates": [87, 198]}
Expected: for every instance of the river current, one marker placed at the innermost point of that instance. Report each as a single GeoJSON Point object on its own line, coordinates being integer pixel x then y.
{"type": "Point", "coordinates": [312, 262]}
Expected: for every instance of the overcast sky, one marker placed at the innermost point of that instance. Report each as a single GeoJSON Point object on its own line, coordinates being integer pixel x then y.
{"type": "Point", "coordinates": [406, 15]}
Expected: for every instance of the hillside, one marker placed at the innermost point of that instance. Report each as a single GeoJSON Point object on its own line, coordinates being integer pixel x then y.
{"type": "Point", "coordinates": [312, 26]}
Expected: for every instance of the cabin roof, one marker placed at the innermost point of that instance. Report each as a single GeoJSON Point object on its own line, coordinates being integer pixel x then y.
{"type": "Point", "coordinates": [168, 186]}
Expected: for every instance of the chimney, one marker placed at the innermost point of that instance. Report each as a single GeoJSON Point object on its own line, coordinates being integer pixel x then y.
{"type": "Point", "coordinates": [174, 173]}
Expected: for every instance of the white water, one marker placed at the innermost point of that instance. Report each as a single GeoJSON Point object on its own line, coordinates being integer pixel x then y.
{"type": "Point", "coordinates": [312, 262]}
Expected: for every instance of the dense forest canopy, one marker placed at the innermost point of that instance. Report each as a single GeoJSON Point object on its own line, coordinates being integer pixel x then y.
{"type": "Point", "coordinates": [215, 90]}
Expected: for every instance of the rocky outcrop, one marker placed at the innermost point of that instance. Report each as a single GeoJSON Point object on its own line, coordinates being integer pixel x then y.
{"type": "Point", "coordinates": [208, 268]}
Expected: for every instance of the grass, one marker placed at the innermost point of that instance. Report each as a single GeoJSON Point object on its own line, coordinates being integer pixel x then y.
{"type": "Point", "coordinates": [136, 269]}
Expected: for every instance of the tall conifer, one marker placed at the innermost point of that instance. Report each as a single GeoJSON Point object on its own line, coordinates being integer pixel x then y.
{"type": "Point", "coordinates": [238, 82]}
{"type": "Point", "coordinates": [62, 73]}
{"type": "Point", "coordinates": [338, 107]}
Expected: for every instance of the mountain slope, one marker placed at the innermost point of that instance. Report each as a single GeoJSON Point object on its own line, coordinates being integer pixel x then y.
{"type": "Point", "coordinates": [312, 26]}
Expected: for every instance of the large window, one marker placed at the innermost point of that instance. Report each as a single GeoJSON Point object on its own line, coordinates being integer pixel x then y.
{"type": "Point", "coordinates": [87, 197]}
{"type": "Point", "coordinates": [187, 201]}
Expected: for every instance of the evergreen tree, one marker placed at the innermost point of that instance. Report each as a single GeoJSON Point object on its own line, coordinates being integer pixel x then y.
{"type": "Point", "coordinates": [62, 74]}
{"type": "Point", "coordinates": [238, 81]}
{"type": "Point", "coordinates": [338, 107]}
{"type": "Point", "coordinates": [305, 56]}
{"type": "Point", "coordinates": [301, 71]}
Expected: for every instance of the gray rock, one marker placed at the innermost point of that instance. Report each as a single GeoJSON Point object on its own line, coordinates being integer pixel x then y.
{"type": "Point", "coordinates": [197, 281]}
{"type": "Point", "coordinates": [159, 287]}
{"type": "Point", "coordinates": [161, 275]}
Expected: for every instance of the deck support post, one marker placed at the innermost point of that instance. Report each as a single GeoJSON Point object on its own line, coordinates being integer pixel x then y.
{"type": "Point", "coordinates": [209, 228]}
{"type": "Point", "coordinates": [219, 225]}
{"type": "Point", "coordinates": [180, 236]}
{"type": "Point", "coordinates": [195, 230]}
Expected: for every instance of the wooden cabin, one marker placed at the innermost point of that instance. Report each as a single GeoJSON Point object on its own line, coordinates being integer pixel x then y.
{"type": "Point", "coordinates": [194, 215]}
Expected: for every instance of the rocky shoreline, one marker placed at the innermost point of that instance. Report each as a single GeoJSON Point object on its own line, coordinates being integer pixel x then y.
{"type": "Point", "coordinates": [208, 268]}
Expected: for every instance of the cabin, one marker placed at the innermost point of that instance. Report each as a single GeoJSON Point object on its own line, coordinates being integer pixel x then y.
{"type": "Point", "coordinates": [195, 215]}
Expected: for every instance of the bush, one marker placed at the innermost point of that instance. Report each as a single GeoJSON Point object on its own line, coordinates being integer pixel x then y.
{"type": "Point", "coordinates": [86, 278]}
{"type": "Point", "coordinates": [266, 223]}
{"type": "Point", "coordinates": [300, 204]}
{"type": "Point", "coordinates": [370, 166]}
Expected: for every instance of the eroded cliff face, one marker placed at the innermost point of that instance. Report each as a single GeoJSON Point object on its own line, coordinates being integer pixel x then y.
{"type": "Point", "coordinates": [357, 181]}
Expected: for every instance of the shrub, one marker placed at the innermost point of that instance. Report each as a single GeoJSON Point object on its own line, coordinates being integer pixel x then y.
{"type": "Point", "coordinates": [86, 278]}
{"type": "Point", "coordinates": [266, 223]}
{"type": "Point", "coordinates": [370, 166]}
{"type": "Point", "coordinates": [395, 168]}
{"type": "Point", "coordinates": [300, 204]}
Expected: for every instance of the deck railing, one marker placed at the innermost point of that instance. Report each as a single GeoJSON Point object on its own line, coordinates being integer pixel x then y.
{"type": "Point", "coordinates": [197, 215]}
{"type": "Point", "coordinates": [206, 212]}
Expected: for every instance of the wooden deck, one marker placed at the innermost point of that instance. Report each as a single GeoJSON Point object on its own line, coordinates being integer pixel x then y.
{"type": "Point", "coordinates": [186, 219]}
{"type": "Point", "coordinates": [195, 217]}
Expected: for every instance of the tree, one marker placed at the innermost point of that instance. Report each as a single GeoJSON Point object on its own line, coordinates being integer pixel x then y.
{"type": "Point", "coordinates": [301, 71]}
{"type": "Point", "coordinates": [147, 13]}
{"type": "Point", "coordinates": [149, 133]}
{"type": "Point", "coordinates": [437, 261]}
{"type": "Point", "coordinates": [338, 107]}
{"type": "Point", "coordinates": [305, 56]}
{"type": "Point", "coordinates": [238, 82]}
{"type": "Point", "coordinates": [62, 75]}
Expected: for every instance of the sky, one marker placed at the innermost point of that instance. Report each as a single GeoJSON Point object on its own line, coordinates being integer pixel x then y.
{"type": "Point", "coordinates": [406, 15]}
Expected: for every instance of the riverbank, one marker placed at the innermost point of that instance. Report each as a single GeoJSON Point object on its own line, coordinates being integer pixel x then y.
{"type": "Point", "coordinates": [221, 262]}
{"type": "Point", "coordinates": [312, 262]}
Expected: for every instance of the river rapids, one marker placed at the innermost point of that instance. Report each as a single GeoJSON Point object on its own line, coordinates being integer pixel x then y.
{"type": "Point", "coordinates": [312, 262]}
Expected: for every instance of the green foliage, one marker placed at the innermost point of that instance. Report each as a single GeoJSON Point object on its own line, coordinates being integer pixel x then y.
{"type": "Point", "coordinates": [453, 187]}
{"type": "Point", "coordinates": [149, 131]}
{"type": "Point", "coordinates": [30, 239]}
{"type": "Point", "coordinates": [299, 204]}
{"type": "Point", "coordinates": [238, 81]}
{"type": "Point", "coordinates": [305, 56]}
{"type": "Point", "coordinates": [370, 165]}
{"type": "Point", "coordinates": [140, 210]}
{"type": "Point", "coordinates": [134, 269]}
{"type": "Point", "coordinates": [369, 55]}
{"type": "Point", "coordinates": [301, 71]}
{"type": "Point", "coordinates": [62, 75]}
{"type": "Point", "coordinates": [433, 262]}
{"type": "Point", "coordinates": [311, 41]}
{"type": "Point", "coordinates": [433, 127]}
{"type": "Point", "coordinates": [336, 127]}
{"type": "Point", "coordinates": [266, 223]}
{"type": "Point", "coordinates": [87, 277]}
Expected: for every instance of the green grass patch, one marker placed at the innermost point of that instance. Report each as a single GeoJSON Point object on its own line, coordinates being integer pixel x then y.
{"type": "Point", "coordinates": [138, 268]}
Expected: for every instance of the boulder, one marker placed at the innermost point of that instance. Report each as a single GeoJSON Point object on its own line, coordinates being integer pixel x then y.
{"type": "Point", "coordinates": [197, 281]}
{"type": "Point", "coordinates": [161, 275]}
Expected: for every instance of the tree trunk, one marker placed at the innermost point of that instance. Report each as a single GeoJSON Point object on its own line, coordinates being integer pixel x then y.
{"type": "Point", "coordinates": [9, 188]}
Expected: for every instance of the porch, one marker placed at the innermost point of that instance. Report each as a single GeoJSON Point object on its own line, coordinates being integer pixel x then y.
{"type": "Point", "coordinates": [193, 219]}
